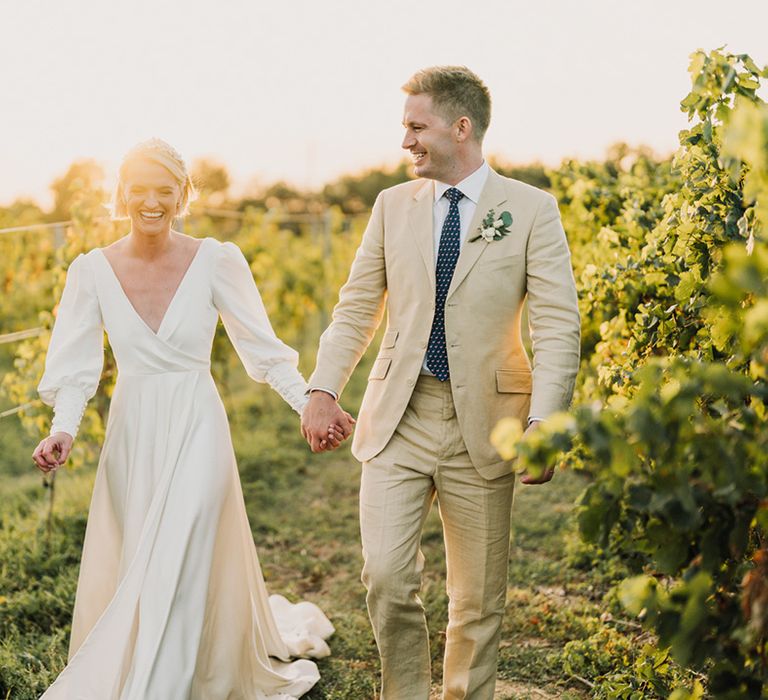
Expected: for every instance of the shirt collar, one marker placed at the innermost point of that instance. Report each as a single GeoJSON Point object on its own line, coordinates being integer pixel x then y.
{"type": "Point", "coordinates": [471, 186]}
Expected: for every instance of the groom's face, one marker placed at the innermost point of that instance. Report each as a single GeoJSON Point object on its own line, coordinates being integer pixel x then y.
{"type": "Point", "coordinates": [430, 139]}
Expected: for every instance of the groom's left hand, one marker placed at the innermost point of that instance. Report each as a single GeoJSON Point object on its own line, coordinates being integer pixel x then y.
{"type": "Point", "coordinates": [547, 474]}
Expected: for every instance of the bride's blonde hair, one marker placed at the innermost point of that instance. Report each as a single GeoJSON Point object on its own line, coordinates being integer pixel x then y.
{"type": "Point", "coordinates": [156, 151]}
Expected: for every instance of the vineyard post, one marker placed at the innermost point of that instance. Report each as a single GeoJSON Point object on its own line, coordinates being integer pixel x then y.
{"type": "Point", "coordinates": [327, 252]}
{"type": "Point", "coordinates": [49, 482]}
{"type": "Point", "coordinates": [59, 236]}
{"type": "Point", "coordinates": [59, 240]}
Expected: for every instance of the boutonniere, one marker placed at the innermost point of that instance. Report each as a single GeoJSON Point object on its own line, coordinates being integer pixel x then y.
{"type": "Point", "coordinates": [493, 227]}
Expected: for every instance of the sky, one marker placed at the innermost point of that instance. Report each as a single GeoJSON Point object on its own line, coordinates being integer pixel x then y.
{"type": "Point", "coordinates": [305, 91]}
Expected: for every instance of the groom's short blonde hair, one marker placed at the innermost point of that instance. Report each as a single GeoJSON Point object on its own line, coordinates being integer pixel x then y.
{"type": "Point", "coordinates": [456, 92]}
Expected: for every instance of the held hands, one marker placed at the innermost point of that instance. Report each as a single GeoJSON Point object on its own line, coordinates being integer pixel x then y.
{"type": "Point", "coordinates": [324, 424]}
{"type": "Point", "coordinates": [52, 452]}
{"type": "Point", "coordinates": [547, 474]}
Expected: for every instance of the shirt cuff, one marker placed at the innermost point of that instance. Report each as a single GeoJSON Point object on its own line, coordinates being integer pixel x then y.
{"type": "Point", "coordinates": [327, 391]}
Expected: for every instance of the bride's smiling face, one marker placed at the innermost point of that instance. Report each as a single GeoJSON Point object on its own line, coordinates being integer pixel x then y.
{"type": "Point", "coordinates": [152, 197]}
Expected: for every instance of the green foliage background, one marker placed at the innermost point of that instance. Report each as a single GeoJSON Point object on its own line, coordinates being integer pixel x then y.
{"type": "Point", "coordinates": [671, 421]}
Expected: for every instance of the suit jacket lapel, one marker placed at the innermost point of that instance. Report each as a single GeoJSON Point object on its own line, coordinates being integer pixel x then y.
{"type": "Point", "coordinates": [492, 197]}
{"type": "Point", "coordinates": [420, 220]}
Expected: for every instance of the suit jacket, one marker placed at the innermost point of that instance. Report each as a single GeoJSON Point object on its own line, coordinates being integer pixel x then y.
{"type": "Point", "coordinates": [490, 375]}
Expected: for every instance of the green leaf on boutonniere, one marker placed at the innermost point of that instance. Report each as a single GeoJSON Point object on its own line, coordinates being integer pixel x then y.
{"type": "Point", "coordinates": [506, 217]}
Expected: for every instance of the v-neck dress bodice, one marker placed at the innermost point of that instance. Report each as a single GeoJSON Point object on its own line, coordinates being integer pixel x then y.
{"type": "Point", "coordinates": [187, 272]}
{"type": "Point", "coordinates": [183, 340]}
{"type": "Point", "coordinates": [171, 603]}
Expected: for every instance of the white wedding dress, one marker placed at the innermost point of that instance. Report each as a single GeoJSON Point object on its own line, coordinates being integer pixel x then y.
{"type": "Point", "coordinates": [171, 603]}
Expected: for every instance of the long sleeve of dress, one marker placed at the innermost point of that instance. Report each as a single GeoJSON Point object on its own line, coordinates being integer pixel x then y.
{"type": "Point", "coordinates": [75, 355]}
{"type": "Point", "coordinates": [265, 357]}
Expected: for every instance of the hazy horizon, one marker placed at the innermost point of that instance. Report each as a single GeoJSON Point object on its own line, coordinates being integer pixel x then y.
{"type": "Point", "coordinates": [305, 93]}
{"type": "Point", "coordinates": [251, 186]}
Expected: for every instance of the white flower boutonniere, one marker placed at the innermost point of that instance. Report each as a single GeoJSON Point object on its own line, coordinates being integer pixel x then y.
{"type": "Point", "coordinates": [493, 227]}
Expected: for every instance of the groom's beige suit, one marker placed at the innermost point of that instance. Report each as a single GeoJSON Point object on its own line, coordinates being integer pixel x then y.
{"type": "Point", "coordinates": [418, 437]}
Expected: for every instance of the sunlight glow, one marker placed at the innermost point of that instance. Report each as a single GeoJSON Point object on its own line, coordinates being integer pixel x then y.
{"type": "Point", "coordinates": [303, 91]}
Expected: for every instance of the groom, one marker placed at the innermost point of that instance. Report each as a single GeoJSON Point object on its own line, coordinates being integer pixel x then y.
{"type": "Point", "coordinates": [451, 258]}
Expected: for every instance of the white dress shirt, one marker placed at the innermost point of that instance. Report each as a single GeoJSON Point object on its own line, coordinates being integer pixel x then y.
{"type": "Point", "coordinates": [471, 187]}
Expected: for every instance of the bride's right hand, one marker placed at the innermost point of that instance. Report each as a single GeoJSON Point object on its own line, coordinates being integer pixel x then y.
{"type": "Point", "coordinates": [52, 452]}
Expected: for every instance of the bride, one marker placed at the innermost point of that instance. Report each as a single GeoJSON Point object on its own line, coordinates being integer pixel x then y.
{"type": "Point", "coordinates": [171, 603]}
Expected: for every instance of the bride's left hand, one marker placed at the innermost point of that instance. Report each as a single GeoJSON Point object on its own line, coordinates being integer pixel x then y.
{"type": "Point", "coordinates": [337, 433]}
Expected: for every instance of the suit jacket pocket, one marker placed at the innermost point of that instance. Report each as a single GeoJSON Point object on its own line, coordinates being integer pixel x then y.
{"type": "Point", "coordinates": [380, 368]}
{"type": "Point", "coordinates": [390, 337]}
{"type": "Point", "coordinates": [513, 381]}
{"type": "Point", "coordinates": [502, 262]}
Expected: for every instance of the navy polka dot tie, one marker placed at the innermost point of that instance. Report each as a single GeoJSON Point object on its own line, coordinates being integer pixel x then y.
{"type": "Point", "coordinates": [448, 254]}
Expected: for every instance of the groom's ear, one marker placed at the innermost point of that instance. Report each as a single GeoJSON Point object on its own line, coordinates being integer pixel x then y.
{"type": "Point", "coordinates": [463, 127]}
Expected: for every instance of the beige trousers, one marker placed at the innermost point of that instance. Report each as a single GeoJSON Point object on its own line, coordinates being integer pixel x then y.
{"type": "Point", "coordinates": [426, 458]}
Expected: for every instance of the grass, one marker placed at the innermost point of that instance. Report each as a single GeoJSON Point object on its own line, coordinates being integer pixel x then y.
{"type": "Point", "coordinates": [303, 513]}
